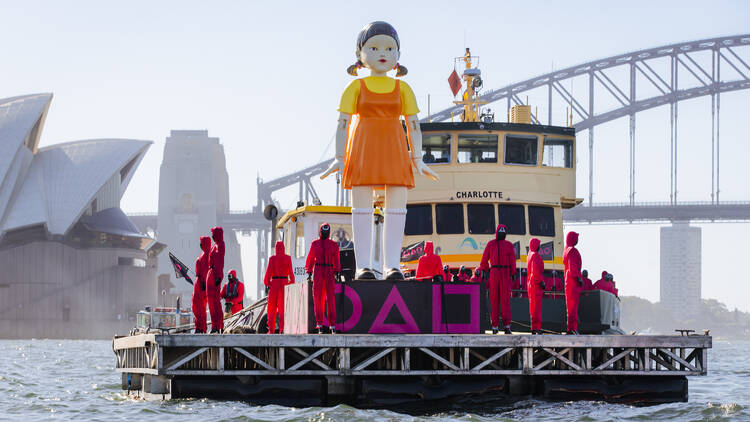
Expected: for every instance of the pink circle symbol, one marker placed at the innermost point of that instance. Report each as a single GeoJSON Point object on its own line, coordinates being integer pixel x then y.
{"type": "Point", "coordinates": [356, 307]}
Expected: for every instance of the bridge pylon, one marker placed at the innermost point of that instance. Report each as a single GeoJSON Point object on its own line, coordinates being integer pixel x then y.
{"type": "Point", "coordinates": [193, 195]}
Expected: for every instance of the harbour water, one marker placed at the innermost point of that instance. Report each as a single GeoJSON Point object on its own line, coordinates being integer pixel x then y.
{"type": "Point", "coordinates": [75, 380]}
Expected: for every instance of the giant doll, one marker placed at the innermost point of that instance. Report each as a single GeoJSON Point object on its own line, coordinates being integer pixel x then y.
{"type": "Point", "coordinates": [376, 153]}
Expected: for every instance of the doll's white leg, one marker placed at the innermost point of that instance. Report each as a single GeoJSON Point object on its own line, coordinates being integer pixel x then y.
{"type": "Point", "coordinates": [393, 231]}
{"type": "Point", "coordinates": [362, 222]}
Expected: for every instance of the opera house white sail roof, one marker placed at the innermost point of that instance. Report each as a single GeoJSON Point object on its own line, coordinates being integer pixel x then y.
{"type": "Point", "coordinates": [55, 186]}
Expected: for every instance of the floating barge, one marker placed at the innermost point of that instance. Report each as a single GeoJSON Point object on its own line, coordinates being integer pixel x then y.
{"type": "Point", "coordinates": [400, 341]}
{"type": "Point", "coordinates": [386, 370]}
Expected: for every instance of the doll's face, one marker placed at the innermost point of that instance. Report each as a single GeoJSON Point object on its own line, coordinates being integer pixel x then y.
{"type": "Point", "coordinates": [380, 53]}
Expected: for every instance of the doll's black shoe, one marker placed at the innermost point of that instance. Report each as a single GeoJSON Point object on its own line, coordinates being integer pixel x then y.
{"type": "Point", "coordinates": [394, 274]}
{"type": "Point", "coordinates": [364, 274]}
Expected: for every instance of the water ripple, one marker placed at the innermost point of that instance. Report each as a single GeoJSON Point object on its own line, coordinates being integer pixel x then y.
{"type": "Point", "coordinates": [75, 380]}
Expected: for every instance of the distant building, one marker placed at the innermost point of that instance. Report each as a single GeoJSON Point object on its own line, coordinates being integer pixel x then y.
{"type": "Point", "coordinates": [73, 264]}
{"type": "Point", "coordinates": [680, 281]}
{"type": "Point", "coordinates": [193, 192]}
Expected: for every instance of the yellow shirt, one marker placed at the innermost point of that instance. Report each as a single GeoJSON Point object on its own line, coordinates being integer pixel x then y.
{"type": "Point", "coordinates": [379, 85]}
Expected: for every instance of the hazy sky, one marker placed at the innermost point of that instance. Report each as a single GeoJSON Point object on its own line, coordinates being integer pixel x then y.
{"type": "Point", "coordinates": [265, 77]}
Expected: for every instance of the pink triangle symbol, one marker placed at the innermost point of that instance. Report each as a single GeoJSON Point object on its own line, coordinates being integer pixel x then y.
{"type": "Point", "coordinates": [408, 327]}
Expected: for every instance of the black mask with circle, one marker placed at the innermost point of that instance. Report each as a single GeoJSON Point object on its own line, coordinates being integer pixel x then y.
{"type": "Point", "coordinates": [325, 231]}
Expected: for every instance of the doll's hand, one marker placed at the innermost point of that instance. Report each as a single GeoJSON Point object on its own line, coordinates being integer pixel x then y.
{"type": "Point", "coordinates": [335, 166]}
{"type": "Point", "coordinates": [423, 169]}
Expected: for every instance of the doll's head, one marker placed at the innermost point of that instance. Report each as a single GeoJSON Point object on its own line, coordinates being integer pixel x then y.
{"type": "Point", "coordinates": [378, 49]}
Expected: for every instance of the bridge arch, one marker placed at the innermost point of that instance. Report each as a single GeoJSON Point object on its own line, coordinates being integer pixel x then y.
{"type": "Point", "coordinates": [664, 84]}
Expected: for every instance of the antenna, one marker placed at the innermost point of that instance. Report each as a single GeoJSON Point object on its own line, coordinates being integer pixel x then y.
{"type": "Point", "coordinates": [428, 108]}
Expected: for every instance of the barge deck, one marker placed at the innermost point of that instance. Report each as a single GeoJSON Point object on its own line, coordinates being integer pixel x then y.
{"type": "Point", "coordinates": [376, 370]}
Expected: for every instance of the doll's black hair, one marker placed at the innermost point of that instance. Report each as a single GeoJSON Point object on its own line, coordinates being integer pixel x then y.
{"type": "Point", "coordinates": [370, 30]}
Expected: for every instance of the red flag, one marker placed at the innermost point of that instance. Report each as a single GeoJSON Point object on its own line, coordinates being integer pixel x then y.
{"type": "Point", "coordinates": [455, 82]}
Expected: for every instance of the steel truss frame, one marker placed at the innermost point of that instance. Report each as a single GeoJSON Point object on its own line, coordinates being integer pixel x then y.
{"type": "Point", "coordinates": [400, 355]}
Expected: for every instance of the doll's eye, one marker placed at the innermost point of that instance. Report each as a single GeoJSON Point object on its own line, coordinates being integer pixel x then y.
{"type": "Point", "coordinates": [389, 48]}
{"type": "Point", "coordinates": [373, 49]}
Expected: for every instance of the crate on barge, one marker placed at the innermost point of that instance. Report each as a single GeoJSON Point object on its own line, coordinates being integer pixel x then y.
{"type": "Point", "coordinates": [387, 369]}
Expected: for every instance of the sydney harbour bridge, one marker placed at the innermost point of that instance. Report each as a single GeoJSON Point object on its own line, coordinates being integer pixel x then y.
{"type": "Point", "coordinates": [663, 76]}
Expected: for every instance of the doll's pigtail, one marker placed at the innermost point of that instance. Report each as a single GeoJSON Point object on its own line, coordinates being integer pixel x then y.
{"type": "Point", "coordinates": [352, 70]}
{"type": "Point", "coordinates": [401, 70]}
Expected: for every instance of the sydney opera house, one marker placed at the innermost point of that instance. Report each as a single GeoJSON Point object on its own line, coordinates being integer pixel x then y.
{"type": "Point", "coordinates": [72, 265]}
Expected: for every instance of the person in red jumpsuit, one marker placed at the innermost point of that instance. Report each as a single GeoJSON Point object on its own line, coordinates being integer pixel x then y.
{"type": "Point", "coordinates": [606, 283]}
{"type": "Point", "coordinates": [430, 265]}
{"type": "Point", "coordinates": [321, 266]}
{"type": "Point", "coordinates": [586, 280]}
{"type": "Point", "coordinates": [600, 282]}
{"type": "Point", "coordinates": [448, 275]}
{"type": "Point", "coordinates": [499, 258]}
{"type": "Point", "coordinates": [464, 274]}
{"type": "Point", "coordinates": [279, 273]}
{"type": "Point", "coordinates": [199, 288]}
{"type": "Point", "coordinates": [535, 284]}
{"type": "Point", "coordinates": [573, 281]}
{"type": "Point", "coordinates": [213, 280]}
{"type": "Point", "coordinates": [477, 277]}
{"type": "Point", "coordinates": [233, 292]}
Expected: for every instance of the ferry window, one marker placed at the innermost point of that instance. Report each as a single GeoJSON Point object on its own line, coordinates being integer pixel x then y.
{"type": "Point", "coordinates": [299, 240]}
{"type": "Point", "coordinates": [449, 218]}
{"type": "Point", "coordinates": [481, 218]}
{"type": "Point", "coordinates": [514, 218]}
{"type": "Point", "coordinates": [520, 150]}
{"type": "Point", "coordinates": [541, 221]}
{"type": "Point", "coordinates": [558, 153]}
{"type": "Point", "coordinates": [477, 148]}
{"type": "Point", "coordinates": [341, 234]}
{"type": "Point", "coordinates": [418, 219]}
{"type": "Point", "coordinates": [436, 148]}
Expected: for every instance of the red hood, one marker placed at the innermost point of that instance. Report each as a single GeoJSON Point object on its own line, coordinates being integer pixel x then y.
{"type": "Point", "coordinates": [429, 248]}
{"type": "Point", "coordinates": [534, 244]}
{"type": "Point", "coordinates": [217, 233]}
{"type": "Point", "coordinates": [205, 243]}
{"type": "Point", "coordinates": [233, 273]}
{"type": "Point", "coordinates": [280, 248]}
{"type": "Point", "coordinates": [571, 239]}
{"type": "Point", "coordinates": [604, 275]}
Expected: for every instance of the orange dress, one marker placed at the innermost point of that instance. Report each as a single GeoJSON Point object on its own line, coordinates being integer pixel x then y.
{"type": "Point", "coordinates": [377, 153]}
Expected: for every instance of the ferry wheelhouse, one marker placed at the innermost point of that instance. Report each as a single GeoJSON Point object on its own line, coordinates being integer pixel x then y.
{"type": "Point", "coordinates": [299, 227]}
{"type": "Point", "coordinates": [515, 173]}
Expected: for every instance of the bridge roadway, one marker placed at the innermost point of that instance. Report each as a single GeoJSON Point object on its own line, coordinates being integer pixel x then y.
{"type": "Point", "coordinates": [243, 221]}
{"type": "Point", "coordinates": [658, 212]}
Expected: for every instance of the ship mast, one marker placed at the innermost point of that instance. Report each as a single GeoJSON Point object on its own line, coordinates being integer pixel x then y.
{"type": "Point", "coordinates": [473, 82]}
